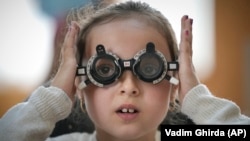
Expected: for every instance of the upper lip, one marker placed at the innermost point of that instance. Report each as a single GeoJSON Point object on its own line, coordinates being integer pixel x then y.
{"type": "Point", "coordinates": [127, 106]}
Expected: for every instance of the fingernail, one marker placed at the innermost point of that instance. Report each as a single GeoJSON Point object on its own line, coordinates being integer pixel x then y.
{"type": "Point", "coordinates": [69, 27]}
{"type": "Point", "coordinates": [72, 24]}
{"type": "Point", "coordinates": [191, 21]}
{"type": "Point", "coordinates": [186, 17]}
{"type": "Point", "coordinates": [75, 25]}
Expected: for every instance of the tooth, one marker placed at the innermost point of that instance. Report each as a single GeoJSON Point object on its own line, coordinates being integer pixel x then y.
{"type": "Point", "coordinates": [131, 110]}
{"type": "Point", "coordinates": [124, 110]}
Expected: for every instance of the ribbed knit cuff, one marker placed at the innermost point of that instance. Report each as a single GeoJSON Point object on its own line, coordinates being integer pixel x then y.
{"type": "Point", "coordinates": [52, 103]}
{"type": "Point", "coordinates": [196, 104]}
{"type": "Point", "coordinates": [189, 104]}
{"type": "Point", "coordinates": [204, 108]}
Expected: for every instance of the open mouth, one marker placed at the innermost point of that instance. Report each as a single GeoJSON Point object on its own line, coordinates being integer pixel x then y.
{"type": "Point", "coordinates": [127, 112]}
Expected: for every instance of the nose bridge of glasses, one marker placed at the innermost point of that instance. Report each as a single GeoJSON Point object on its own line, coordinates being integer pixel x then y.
{"type": "Point", "coordinates": [127, 64]}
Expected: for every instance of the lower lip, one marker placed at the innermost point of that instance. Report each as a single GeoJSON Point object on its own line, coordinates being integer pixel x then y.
{"type": "Point", "coordinates": [127, 116]}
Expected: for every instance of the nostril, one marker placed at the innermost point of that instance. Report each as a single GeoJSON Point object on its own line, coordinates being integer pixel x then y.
{"type": "Point", "coordinates": [134, 92]}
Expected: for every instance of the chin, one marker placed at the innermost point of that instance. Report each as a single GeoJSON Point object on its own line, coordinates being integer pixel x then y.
{"type": "Point", "coordinates": [124, 133]}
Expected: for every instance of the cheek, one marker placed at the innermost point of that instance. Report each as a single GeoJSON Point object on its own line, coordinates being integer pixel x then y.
{"type": "Point", "coordinates": [90, 98]}
{"type": "Point", "coordinates": [158, 97]}
{"type": "Point", "coordinates": [156, 104]}
{"type": "Point", "coordinates": [160, 100]}
{"type": "Point", "coordinates": [94, 101]}
{"type": "Point", "coordinates": [160, 91]}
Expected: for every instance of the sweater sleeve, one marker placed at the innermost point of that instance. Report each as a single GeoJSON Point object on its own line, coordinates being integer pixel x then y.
{"type": "Point", "coordinates": [35, 119]}
{"type": "Point", "coordinates": [204, 108]}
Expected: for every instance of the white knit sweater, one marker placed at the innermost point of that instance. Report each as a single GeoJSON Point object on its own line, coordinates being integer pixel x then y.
{"type": "Point", "coordinates": [35, 119]}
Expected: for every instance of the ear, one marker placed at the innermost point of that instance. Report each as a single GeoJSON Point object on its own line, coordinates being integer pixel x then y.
{"type": "Point", "coordinates": [174, 90]}
{"type": "Point", "coordinates": [79, 91]}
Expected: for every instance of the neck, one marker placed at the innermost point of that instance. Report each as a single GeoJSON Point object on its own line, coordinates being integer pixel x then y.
{"type": "Point", "coordinates": [104, 136]}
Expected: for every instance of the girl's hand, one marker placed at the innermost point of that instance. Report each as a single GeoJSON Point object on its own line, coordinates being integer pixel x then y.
{"type": "Point", "coordinates": [187, 74]}
{"type": "Point", "coordinates": [65, 77]}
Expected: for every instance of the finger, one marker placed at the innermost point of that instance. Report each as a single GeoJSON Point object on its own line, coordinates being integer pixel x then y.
{"type": "Point", "coordinates": [186, 73]}
{"type": "Point", "coordinates": [65, 75]}
{"type": "Point", "coordinates": [71, 36]}
{"type": "Point", "coordinates": [186, 35]}
{"type": "Point", "coordinates": [186, 22]}
{"type": "Point", "coordinates": [183, 19]}
{"type": "Point", "coordinates": [186, 28]}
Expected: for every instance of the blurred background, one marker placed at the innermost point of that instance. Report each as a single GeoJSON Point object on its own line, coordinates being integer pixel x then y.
{"type": "Point", "coordinates": [221, 44]}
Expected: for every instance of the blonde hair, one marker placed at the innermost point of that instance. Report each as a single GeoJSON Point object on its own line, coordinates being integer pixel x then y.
{"type": "Point", "coordinates": [92, 15]}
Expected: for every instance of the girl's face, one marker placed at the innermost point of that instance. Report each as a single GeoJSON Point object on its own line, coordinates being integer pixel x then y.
{"type": "Point", "coordinates": [129, 108]}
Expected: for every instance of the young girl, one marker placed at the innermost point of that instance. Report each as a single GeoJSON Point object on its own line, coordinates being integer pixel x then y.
{"type": "Point", "coordinates": [126, 66]}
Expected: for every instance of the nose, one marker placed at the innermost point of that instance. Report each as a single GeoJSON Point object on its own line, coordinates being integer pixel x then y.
{"type": "Point", "coordinates": [129, 84]}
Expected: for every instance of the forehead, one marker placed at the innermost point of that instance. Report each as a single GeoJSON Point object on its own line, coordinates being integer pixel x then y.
{"type": "Point", "coordinates": [125, 38]}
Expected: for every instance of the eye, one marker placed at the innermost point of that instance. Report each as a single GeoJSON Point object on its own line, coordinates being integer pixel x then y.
{"type": "Point", "coordinates": [105, 68]}
{"type": "Point", "coordinates": [148, 69]}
